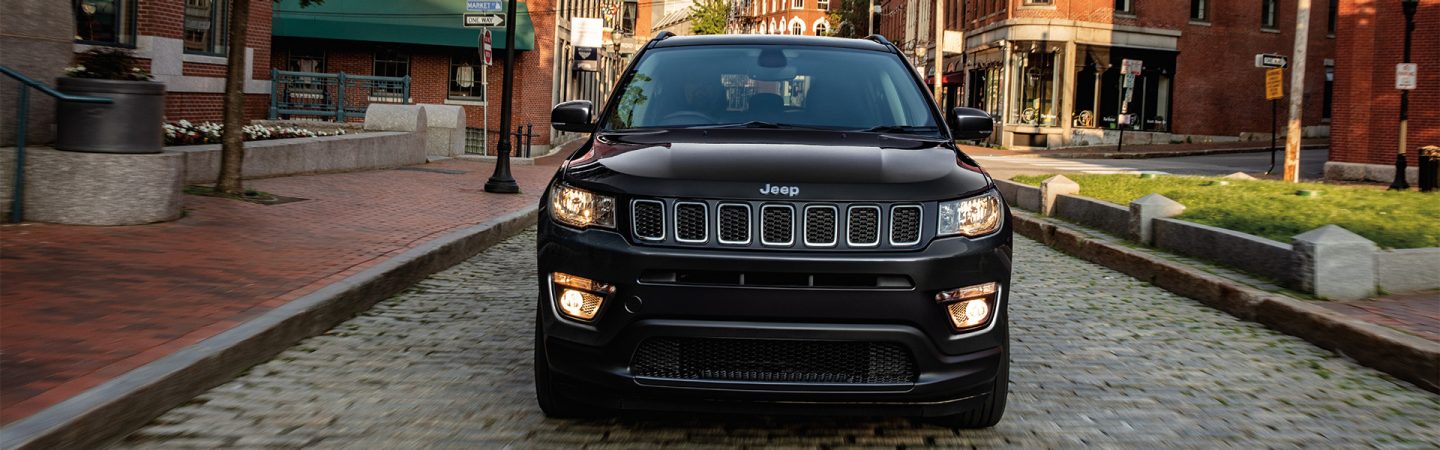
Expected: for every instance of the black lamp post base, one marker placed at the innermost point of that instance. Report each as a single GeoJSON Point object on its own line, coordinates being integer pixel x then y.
{"type": "Point", "coordinates": [505, 186]}
{"type": "Point", "coordinates": [1399, 184]}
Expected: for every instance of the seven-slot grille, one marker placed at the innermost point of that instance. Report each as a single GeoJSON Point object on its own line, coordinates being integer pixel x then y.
{"type": "Point", "coordinates": [774, 361]}
{"type": "Point", "coordinates": [764, 224]}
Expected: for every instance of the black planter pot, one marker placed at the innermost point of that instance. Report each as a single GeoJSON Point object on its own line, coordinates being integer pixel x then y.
{"type": "Point", "coordinates": [132, 124]}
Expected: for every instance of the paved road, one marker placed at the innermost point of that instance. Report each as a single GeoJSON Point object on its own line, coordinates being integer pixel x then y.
{"type": "Point", "coordinates": [1312, 164]}
{"type": "Point", "coordinates": [1099, 360]}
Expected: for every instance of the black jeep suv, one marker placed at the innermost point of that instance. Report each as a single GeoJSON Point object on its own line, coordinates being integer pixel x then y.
{"type": "Point", "coordinates": [773, 224]}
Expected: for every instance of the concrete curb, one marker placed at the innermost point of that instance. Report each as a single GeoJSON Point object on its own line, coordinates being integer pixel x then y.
{"type": "Point", "coordinates": [117, 407]}
{"type": "Point", "coordinates": [1407, 357]}
{"type": "Point", "coordinates": [1142, 155]}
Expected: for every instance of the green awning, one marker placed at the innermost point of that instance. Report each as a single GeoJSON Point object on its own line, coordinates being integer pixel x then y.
{"type": "Point", "coordinates": [424, 22]}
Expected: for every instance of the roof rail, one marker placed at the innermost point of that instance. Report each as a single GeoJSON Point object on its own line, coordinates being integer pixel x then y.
{"type": "Point", "coordinates": [663, 35]}
{"type": "Point", "coordinates": [880, 39]}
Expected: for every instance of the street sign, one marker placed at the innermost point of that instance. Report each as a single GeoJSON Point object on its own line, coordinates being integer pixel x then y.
{"type": "Point", "coordinates": [484, 6]}
{"type": "Point", "coordinates": [1131, 66]}
{"type": "Point", "coordinates": [1264, 60]}
{"type": "Point", "coordinates": [1274, 83]}
{"type": "Point", "coordinates": [1406, 75]}
{"type": "Point", "coordinates": [484, 20]}
{"type": "Point", "coordinates": [487, 54]}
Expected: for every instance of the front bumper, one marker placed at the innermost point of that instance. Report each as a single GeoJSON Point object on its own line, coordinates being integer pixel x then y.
{"type": "Point", "coordinates": [954, 370]}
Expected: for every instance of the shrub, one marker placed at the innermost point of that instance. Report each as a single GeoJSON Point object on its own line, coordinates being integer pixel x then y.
{"type": "Point", "coordinates": [186, 133]}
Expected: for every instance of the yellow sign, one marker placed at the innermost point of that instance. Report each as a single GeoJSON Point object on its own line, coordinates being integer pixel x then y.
{"type": "Point", "coordinates": [1274, 84]}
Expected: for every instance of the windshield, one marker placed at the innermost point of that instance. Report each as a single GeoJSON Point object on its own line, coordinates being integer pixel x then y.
{"type": "Point", "coordinates": [771, 86]}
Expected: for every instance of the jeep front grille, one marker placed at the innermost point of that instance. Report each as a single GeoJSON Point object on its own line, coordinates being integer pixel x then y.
{"type": "Point", "coordinates": [774, 361]}
{"type": "Point", "coordinates": [777, 225]}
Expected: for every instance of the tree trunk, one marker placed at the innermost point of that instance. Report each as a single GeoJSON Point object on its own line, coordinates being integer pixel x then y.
{"type": "Point", "coordinates": [232, 141]}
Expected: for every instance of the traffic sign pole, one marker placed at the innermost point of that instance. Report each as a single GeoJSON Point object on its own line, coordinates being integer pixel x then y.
{"type": "Point", "coordinates": [502, 182]}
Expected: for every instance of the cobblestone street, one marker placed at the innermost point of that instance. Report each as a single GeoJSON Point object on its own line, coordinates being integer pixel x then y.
{"type": "Point", "coordinates": [1100, 359]}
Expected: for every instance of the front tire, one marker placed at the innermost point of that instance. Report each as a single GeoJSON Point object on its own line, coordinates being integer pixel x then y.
{"type": "Point", "coordinates": [554, 406]}
{"type": "Point", "coordinates": [990, 412]}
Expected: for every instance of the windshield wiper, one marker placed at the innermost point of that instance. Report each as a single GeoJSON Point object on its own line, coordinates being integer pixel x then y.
{"type": "Point", "coordinates": [762, 124]}
{"type": "Point", "coordinates": [899, 129]}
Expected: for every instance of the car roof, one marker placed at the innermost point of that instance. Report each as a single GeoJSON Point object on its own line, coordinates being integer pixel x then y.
{"type": "Point", "coordinates": [760, 39]}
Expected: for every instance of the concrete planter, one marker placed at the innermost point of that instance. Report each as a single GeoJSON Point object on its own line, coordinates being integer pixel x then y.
{"type": "Point", "coordinates": [129, 125]}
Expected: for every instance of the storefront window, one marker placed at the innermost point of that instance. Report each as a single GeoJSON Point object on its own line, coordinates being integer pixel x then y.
{"type": "Point", "coordinates": [467, 77]}
{"type": "Point", "coordinates": [109, 22]}
{"type": "Point", "coordinates": [1034, 84]}
{"type": "Point", "coordinates": [1100, 96]}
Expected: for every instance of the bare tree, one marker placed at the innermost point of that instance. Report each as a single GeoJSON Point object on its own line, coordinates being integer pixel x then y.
{"type": "Point", "coordinates": [232, 139]}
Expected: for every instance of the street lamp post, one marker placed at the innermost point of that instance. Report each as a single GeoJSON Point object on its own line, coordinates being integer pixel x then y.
{"type": "Point", "coordinates": [1400, 183]}
{"type": "Point", "coordinates": [501, 182]}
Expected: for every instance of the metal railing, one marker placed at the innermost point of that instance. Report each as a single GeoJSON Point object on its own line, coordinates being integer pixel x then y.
{"type": "Point", "coordinates": [22, 115]}
{"type": "Point", "coordinates": [337, 96]}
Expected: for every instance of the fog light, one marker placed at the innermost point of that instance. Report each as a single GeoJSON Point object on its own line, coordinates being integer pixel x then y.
{"type": "Point", "coordinates": [969, 306]}
{"type": "Point", "coordinates": [969, 313]}
{"type": "Point", "coordinates": [578, 297]}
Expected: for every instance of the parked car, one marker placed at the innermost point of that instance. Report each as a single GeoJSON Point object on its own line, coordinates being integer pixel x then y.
{"type": "Point", "coordinates": [773, 224]}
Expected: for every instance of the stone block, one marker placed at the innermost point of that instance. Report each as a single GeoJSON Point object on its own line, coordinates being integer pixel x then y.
{"type": "Point", "coordinates": [445, 130]}
{"type": "Point", "coordinates": [1408, 270]}
{"type": "Point", "coordinates": [78, 188]}
{"type": "Point", "coordinates": [1146, 209]}
{"type": "Point", "coordinates": [1239, 176]}
{"type": "Point", "coordinates": [1019, 195]}
{"type": "Point", "coordinates": [1052, 187]}
{"type": "Point", "coordinates": [346, 153]}
{"type": "Point", "coordinates": [1334, 263]}
{"type": "Point", "coordinates": [1105, 216]}
{"type": "Point", "coordinates": [1244, 251]}
{"type": "Point", "coordinates": [394, 117]}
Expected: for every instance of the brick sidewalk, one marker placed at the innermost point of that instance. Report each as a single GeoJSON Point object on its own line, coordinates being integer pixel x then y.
{"type": "Point", "coordinates": [1139, 151]}
{"type": "Point", "coordinates": [1417, 313]}
{"type": "Point", "coordinates": [86, 304]}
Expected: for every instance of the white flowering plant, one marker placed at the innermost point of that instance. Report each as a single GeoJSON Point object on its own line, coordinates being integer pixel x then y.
{"type": "Point", "coordinates": [184, 132]}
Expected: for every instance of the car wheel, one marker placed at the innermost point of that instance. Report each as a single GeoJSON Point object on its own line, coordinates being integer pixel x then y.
{"type": "Point", "coordinates": [990, 412]}
{"type": "Point", "coordinates": [553, 405]}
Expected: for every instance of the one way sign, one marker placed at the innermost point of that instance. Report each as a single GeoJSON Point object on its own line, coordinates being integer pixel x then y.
{"type": "Point", "coordinates": [484, 20]}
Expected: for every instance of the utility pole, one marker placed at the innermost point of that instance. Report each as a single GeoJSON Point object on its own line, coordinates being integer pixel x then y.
{"type": "Point", "coordinates": [501, 182]}
{"type": "Point", "coordinates": [870, 14]}
{"type": "Point", "coordinates": [1297, 91]}
{"type": "Point", "coordinates": [939, 52]}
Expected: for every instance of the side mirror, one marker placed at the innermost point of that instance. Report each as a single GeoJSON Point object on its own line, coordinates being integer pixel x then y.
{"type": "Point", "coordinates": [572, 116]}
{"type": "Point", "coordinates": [971, 124]}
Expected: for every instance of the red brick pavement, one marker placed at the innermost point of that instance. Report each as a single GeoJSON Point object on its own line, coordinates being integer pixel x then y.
{"type": "Point", "coordinates": [1417, 314]}
{"type": "Point", "coordinates": [82, 305]}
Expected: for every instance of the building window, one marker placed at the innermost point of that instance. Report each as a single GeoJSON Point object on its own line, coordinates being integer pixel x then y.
{"type": "Point", "coordinates": [822, 28]}
{"type": "Point", "coordinates": [1270, 14]}
{"type": "Point", "coordinates": [1039, 2]}
{"type": "Point", "coordinates": [823, 5]}
{"type": "Point", "coordinates": [306, 60]}
{"type": "Point", "coordinates": [390, 63]}
{"type": "Point", "coordinates": [797, 28]}
{"type": "Point", "coordinates": [797, 4]}
{"type": "Point", "coordinates": [467, 77]}
{"type": "Point", "coordinates": [106, 22]}
{"type": "Point", "coordinates": [1036, 85]}
{"type": "Point", "coordinates": [1125, 6]}
{"type": "Point", "coordinates": [1329, 98]}
{"type": "Point", "coordinates": [205, 26]}
{"type": "Point", "coordinates": [1330, 17]}
{"type": "Point", "coordinates": [630, 10]}
{"type": "Point", "coordinates": [1200, 10]}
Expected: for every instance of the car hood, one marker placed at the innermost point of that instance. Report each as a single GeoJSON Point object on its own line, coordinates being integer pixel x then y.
{"type": "Point", "coordinates": [828, 165]}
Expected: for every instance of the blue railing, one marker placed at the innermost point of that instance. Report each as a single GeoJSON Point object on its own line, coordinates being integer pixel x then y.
{"type": "Point", "coordinates": [22, 115]}
{"type": "Point", "coordinates": [336, 96]}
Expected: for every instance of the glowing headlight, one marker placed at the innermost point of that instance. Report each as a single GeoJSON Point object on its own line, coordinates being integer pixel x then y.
{"type": "Point", "coordinates": [975, 216]}
{"type": "Point", "coordinates": [970, 306]}
{"type": "Point", "coordinates": [580, 208]}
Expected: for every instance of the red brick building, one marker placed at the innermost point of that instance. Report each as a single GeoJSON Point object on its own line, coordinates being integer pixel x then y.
{"type": "Point", "coordinates": [427, 41]}
{"type": "Point", "coordinates": [1050, 69]}
{"type": "Point", "coordinates": [183, 43]}
{"type": "Point", "coordinates": [794, 17]}
{"type": "Point", "coordinates": [1367, 106]}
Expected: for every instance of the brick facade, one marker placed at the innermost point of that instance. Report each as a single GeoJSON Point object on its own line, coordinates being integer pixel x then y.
{"type": "Point", "coordinates": [1369, 43]}
{"type": "Point", "coordinates": [780, 16]}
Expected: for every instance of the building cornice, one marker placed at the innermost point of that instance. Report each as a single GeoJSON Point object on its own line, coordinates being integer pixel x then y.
{"type": "Point", "coordinates": [1080, 32]}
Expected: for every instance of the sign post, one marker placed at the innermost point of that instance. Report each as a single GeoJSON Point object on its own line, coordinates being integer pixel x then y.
{"type": "Point", "coordinates": [501, 181]}
{"type": "Point", "coordinates": [1274, 91]}
{"type": "Point", "coordinates": [1129, 68]}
